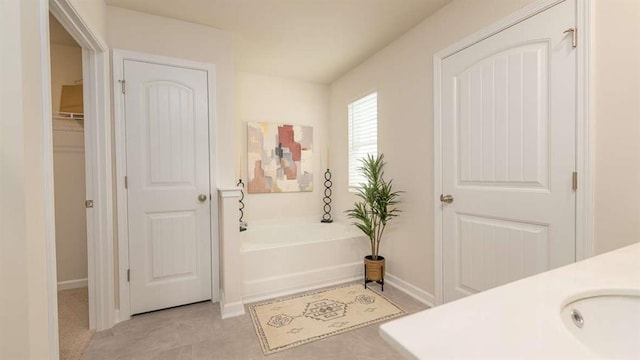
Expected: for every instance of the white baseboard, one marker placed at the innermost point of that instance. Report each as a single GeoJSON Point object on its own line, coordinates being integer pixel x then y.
{"type": "Point", "coordinates": [411, 290]}
{"type": "Point", "coordinates": [231, 310]}
{"type": "Point", "coordinates": [273, 287]}
{"type": "Point", "coordinates": [72, 284]}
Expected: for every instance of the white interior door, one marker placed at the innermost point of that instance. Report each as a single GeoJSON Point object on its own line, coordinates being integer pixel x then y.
{"type": "Point", "coordinates": [508, 134]}
{"type": "Point", "coordinates": [167, 127]}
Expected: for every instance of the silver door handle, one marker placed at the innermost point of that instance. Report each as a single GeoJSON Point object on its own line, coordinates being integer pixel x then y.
{"type": "Point", "coordinates": [447, 199]}
{"type": "Point", "coordinates": [202, 197]}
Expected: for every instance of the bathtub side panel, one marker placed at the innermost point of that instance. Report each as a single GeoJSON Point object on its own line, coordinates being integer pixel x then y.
{"type": "Point", "coordinates": [287, 269]}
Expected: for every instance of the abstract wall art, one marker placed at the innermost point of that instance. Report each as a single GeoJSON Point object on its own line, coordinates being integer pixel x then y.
{"type": "Point", "coordinates": [279, 158]}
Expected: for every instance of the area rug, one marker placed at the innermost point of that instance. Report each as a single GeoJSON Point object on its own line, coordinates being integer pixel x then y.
{"type": "Point", "coordinates": [288, 322]}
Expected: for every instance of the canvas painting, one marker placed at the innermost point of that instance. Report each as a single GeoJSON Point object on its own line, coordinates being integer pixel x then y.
{"type": "Point", "coordinates": [279, 158]}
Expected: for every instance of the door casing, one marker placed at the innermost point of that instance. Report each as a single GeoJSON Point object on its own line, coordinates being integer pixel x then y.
{"type": "Point", "coordinates": [120, 146]}
{"type": "Point", "coordinates": [97, 135]}
{"type": "Point", "coordinates": [584, 128]}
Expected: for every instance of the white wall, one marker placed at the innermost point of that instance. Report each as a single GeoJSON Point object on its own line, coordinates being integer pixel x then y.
{"type": "Point", "coordinates": [278, 100]}
{"type": "Point", "coordinates": [93, 12]}
{"type": "Point", "coordinates": [14, 331]}
{"type": "Point", "coordinates": [66, 68]}
{"type": "Point", "coordinates": [617, 123]}
{"type": "Point", "coordinates": [26, 277]}
{"type": "Point", "coordinates": [402, 74]}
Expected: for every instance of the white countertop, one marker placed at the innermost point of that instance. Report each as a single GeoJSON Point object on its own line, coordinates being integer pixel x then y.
{"type": "Point", "coordinates": [520, 320]}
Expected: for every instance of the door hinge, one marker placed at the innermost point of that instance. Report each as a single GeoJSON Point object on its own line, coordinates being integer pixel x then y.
{"type": "Point", "coordinates": [126, 182]}
{"type": "Point", "coordinates": [128, 275]}
{"type": "Point", "coordinates": [574, 181]}
{"type": "Point", "coordinates": [88, 204]}
{"type": "Point", "coordinates": [122, 86]}
{"type": "Point", "coordinates": [574, 35]}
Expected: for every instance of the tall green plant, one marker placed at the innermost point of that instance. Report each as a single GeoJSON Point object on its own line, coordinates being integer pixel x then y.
{"type": "Point", "coordinates": [377, 202]}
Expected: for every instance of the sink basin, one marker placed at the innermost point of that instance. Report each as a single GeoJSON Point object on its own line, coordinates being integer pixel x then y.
{"type": "Point", "coordinates": [608, 323]}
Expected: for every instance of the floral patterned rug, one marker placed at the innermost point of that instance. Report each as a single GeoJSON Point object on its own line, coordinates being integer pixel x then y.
{"type": "Point", "coordinates": [288, 322]}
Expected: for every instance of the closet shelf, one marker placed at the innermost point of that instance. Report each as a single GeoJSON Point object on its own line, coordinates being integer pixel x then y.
{"type": "Point", "coordinates": [68, 116]}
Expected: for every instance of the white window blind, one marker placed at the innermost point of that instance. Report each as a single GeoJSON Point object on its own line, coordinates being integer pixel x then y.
{"type": "Point", "coordinates": [363, 135]}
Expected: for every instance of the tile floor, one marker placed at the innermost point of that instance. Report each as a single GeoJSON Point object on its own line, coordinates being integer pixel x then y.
{"type": "Point", "coordinates": [197, 332]}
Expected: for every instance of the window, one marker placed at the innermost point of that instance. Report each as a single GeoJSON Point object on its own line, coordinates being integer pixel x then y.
{"type": "Point", "coordinates": [363, 135]}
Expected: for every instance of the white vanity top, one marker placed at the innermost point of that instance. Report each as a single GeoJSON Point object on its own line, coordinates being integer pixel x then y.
{"type": "Point", "coordinates": [520, 320]}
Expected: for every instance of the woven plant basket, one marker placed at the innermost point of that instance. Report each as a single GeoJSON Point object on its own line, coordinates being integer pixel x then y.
{"type": "Point", "coordinates": [374, 268]}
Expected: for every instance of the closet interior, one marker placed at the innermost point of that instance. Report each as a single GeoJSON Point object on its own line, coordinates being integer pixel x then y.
{"type": "Point", "coordinates": [69, 191]}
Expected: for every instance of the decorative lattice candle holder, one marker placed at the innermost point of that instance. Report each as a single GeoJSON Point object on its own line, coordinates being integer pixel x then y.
{"type": "Point", "coordinates": [326, 217]}
{"type": "Point", "coordinates": [243, 224]}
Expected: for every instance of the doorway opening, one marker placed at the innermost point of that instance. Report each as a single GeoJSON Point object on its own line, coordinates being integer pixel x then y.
{"type": "Point", "coordinates": [69, 191]}
{"type": "Point", "coordinates": [92, 135]}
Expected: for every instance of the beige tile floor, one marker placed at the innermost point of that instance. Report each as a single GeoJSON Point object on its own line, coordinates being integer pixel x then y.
{"type": "Point", "coordinates": [197, 332]}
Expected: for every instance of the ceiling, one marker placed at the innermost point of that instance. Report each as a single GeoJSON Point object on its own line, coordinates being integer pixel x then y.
{"type": "Point", "coordinates": [312, 40]}
{"type": "Point", "coordinates": [58, 35]}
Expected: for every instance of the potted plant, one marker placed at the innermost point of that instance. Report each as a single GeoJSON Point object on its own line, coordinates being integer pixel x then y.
{"type": "Point", "coordinates": [373, 211]}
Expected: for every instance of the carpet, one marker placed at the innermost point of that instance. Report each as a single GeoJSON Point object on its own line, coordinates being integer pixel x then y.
{"type": "Point", "coordinates": [288, 322]}
{"type": "Point", "coordinates": [73, 323]}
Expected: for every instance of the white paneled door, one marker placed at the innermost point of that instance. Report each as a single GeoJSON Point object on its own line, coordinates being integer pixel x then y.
{"type": "Point", "coordinates": [169, 207]}
{"type": "Point", "coordinates": [508, 154]}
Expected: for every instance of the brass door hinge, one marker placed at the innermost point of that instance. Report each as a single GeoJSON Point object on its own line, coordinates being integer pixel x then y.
{"type": "Point", "coordinates": [126, 182]}
{"type": "Point", "coordinates": [122, 86]}
{"type": "Point", "coordinates": [128, 275]}
{"type": "Point", "coordinates": [574, 181]}
{"type": "Point", "coordinates": [574, 35]}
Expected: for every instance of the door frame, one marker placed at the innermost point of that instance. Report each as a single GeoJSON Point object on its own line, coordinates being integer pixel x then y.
{"type": "Point", "coordinates": [119, 56]}
{"type": "Point", "coordinates": [584, 127]}
{"type": "Point", "coordinates": [97, 137]}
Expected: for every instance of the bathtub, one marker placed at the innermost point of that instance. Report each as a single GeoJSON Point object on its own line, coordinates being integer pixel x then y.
{"type": "Point", "coordinates": [284, 257]}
